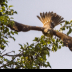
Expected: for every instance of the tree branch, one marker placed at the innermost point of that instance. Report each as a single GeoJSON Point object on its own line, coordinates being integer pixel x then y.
{"type": "Point", "coordinates": [67, 40]}
{"type": "Point", "coordinates": [22, 27]}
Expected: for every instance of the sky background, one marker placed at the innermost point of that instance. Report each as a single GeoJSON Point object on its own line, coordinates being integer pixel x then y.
{"type": "Point", "coordinates": [27, 12]}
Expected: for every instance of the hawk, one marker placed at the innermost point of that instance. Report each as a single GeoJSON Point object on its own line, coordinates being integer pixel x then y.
{"type": "Point", "coordinates": [50, 20]}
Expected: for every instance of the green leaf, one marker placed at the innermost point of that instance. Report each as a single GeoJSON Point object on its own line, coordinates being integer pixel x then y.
{"type": "Point", "coordinates": [48, 64]}
{"type": "Point", "coordinates": [67, 22]}
{"type": "Point", "coordinates": [36, 39]}
{"type": "Point", "coordinates": [10, 6]}
{"type": "Point", "coordinates": [71, 21]}
{"type": "Point", "coordinates": [69, 31]}
{"type": "Point", "coordinates": [12, 32]}
{"type": "Point", "coordinates": [15, 12]}
{"type": "Point", "coordinates": [59, 47]}
{"type": "Point", "coordinates": [53, 40]}
{"type": "Point", "coordinates": [63, 28]}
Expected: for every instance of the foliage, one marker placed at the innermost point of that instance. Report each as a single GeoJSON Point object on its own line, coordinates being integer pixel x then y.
{"type": "Point", "coordinates": [31, 56]}
{"type": "Point", "coordinates": [67, 25]}
{"type": "Point", "coordinates": [5, 33]}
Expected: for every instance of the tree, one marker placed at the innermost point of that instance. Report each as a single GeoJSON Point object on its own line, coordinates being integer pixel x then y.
{"type": "Point", "coordinates": [31, 56]}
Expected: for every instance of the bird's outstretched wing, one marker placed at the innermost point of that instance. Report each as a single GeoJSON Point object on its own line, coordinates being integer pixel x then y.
{"type": "Point", "coordinates": [50, 19]}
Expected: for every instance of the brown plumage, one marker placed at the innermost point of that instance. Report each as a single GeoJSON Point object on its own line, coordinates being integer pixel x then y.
{"type": "Point", "coordinates": [50, 19]}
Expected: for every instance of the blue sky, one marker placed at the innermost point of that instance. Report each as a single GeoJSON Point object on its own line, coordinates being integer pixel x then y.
{"type": "Point", "coordinates": [27, 12]}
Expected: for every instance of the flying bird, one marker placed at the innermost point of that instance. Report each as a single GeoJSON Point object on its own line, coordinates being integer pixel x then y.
{"type": "Point", "coordinates": [50, 20]}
